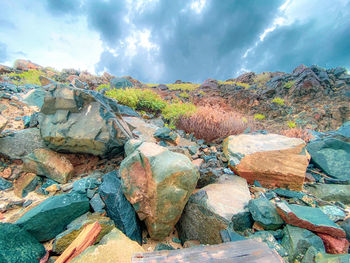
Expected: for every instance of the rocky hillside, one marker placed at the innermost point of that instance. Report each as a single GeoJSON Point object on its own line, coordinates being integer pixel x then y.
{"type": "Point", "coordinates": [107, 169]}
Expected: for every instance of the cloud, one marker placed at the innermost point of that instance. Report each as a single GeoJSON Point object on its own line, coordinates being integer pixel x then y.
{"type": "Point", "coordinates": [62, 7]}
{"type": "Point", "coordinates": [3, 52]}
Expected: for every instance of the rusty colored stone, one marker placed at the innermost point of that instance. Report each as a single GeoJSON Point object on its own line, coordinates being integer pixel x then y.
{"type": "Point", "coordinates": [334, 245]}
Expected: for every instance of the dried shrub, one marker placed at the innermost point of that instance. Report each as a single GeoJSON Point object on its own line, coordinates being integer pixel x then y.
{"type": "Point", "coordinates": [297, 133]}
{"type": "Point", "coordinates": [213, 122]}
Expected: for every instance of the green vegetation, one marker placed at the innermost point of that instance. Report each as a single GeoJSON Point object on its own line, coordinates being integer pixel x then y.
{"type": "Point", "coordinates": [289, 84]}
{"type": "Point", "coordinates": [102, 86]}
{"type": "Point", "coordinates": [291, 124]}
{"type": "Point", "coordinates": [245, 85]}
{"type": "Point", "coordinates": [259, 116]}
{"type": "Point", "coordinates": [183, 86]}
{"type": "Point", "coordinates": [172, 112]}
{"type": "Point", "coordinates": [262, 78]}
{"type": "Point", "coordinates": [278, 100]}
{"type": "Point", "coordinates": [184, 95]}
{"type": "Point", "coordinates": [201, 92]}
{"type": "Point", "coordinates": [26, 77]}
{"type": "Point", "coordinates": [151, 85]}
{"type": "Point", "coordinates": [138, 99]}
{"type": "Point", "coordinates": [244, 119]}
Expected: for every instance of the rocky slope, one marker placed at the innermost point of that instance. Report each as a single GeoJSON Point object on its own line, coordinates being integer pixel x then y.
{"type": "Point", "coordinates": [85, 179]}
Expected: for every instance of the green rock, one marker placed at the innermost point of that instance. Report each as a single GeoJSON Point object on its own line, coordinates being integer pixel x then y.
{"type": "Point", "coordinates": [165, 134]}
{"type": "Point", "coordinates": [17, 245]}
{"type": "Point", "coordinates": [264, 212]}
{"type": "Point", "coordinates": [212, 208]}
{"type": "Point", "coordinates": [332, 154]}
{"type": "Point", "coordinates": [346, 226]}
{"type": "Point", "coordinates": [333, 212]}
{"type": "Point", "coordinates": [269, 239]}
{"type": "Point", "coordinates": [120, 83]}
{"type": "Point", "coordinates": [51, 216]}
{"type": "Point", "coordinates": [330, 192]}
{"type": "Point", "coordinates": [4, 184]}
{"type": "Point", "coordinates": [298, 240]}
{"type": "Point", "coordinates": [158, 183]}
{"type": "Point", "coordinates": [328, 258]}
{"type": "Point", "coordinates": [85, 121]}
{"type": "Point", "coordinates": [162, 246]}
{"type": "Point", "coordinates": [64, 239]}
{"type": "Point", "coordinates": [288, 193]}
{"type": "Point", "coordinates": [35, 97]}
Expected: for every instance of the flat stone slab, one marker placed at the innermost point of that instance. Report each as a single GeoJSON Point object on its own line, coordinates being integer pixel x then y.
{"type": "Point", "coordinates": [330, 192]}
{"type": "Point", "coordinates": [245, 251]}
{"type": "Point", "coordinates": [309, 218]}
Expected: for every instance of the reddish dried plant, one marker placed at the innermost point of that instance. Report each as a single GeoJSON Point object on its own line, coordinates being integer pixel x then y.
{"type": "Point", "coordinates": [213, 122]}
{"type": "Point", "coordinates": [297, 133]}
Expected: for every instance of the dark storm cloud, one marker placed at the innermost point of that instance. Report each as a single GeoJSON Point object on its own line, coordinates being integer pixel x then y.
{"type": "Point", "coordinates": [197, 46]}
{"type": "Point", "coordinates": [325, 43]}
{"type": "Point", "coordinates": [3, 52]}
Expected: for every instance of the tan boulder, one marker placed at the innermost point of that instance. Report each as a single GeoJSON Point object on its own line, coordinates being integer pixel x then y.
{"type": "Point", "coordinates": [273, 160]}
{"type": "Point", "coordinates": [114, 247]}
{"type": "Point", "coordinates": [49, 163]}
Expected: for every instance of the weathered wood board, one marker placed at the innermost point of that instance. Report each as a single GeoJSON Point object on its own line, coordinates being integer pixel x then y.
{"type": "Point", "coordinates": [245, 251]}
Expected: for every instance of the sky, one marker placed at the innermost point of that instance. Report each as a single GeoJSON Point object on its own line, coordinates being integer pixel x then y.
{"type": "Point", "coordinates": [160, 41]}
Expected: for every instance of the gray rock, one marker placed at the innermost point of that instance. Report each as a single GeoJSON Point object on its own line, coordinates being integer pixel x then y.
{"type": "Point", "coordinates": [21, 143]}
{"type": "Point", "coordinates": [330, 192]}
{"type": "Point", "coordinates": [120, 83]}
{"type": "Point", "coordinates": [77, 120]}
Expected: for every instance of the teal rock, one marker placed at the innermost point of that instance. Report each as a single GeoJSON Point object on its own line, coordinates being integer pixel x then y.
{"type": "Point", "coordinates": [82, 121]}
{"type": "Point", "coordinates": [193, 149]}
{"type": "Point", "coordinates": [264, 212]}
{"type": "Point", "coordinates": [35, 97]}
{"type": "Point", "coordinates": [269, 239]}
{"type": "Point", "coordinates": [47, 183]}
{"type": "Point", "coordinates": [333, 212]}
{"type": "Point", "coordinates": [330, 192]}
{"type": "Point", "coordinates": [212, 208]}
{"type": "Point", "coordinates": [242, 221]}
{"type": "Point", "coordinates": [118, 207]}
{"type": "Point", "coordinates": [82, 185]}
{"type": "Point", "coordinates": [344, 130]}
{"type": "Point", "coordinates": [162, 246]}
{"type": "Point", "coordinates": [21, 143]}
{"type": "Point", "coordinates": [17, 245]}
{"type": "Point", "coordinates": [97, 204]}
{"type": "Point", "coordinates": [229, 235]}
{"type": "Point", "coordinates": [332, 154]}
{"type": "Point", "coordinates": [288, 193]}
{"type": "Point", "coordinates": [120, 83]}
{"type": "Point", "coordinates": [4, 184]}
{"type": "Point", "coordinates": [311, 218]}
{"type": "Point", "coordinates": [165, 134]}
{"type": "Point", "coordinates": [51, 216]}
{"type": "Point", "coordinates": [297, 241]}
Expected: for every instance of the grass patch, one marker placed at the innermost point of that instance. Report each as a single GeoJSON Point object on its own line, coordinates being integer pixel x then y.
{"type": "Point", "coordinates": [184, 95]}
{"type": "Point", "coordinates": [291, 124]}
{"type": "Point", "coordinates": [259, 117]}
{"type": "Point", "coordinates": [278, 100]}
{"type": "Point", "coordinates": [151, 85]}
{"type": "Point", "coordinates": [289, 84]}
{"type": "Point", "coordinates": [102, 86]}
{"type": "Point", "coordinates": [245, 85]}
{"type": "Point", "coordinates": [183, 86]}
{"type": "Point", "coordinates": [172, 112]}
{"type": "Point", "coordinates": [138, 99]}
{"type": "Point", "coordinates": [27, 77]}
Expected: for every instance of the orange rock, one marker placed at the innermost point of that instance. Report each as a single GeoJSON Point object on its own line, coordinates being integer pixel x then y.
{"type": "Point", "coordinates": [334, 245]}
{"type": "Point", "coordinates": [52, 188]}
{"type": "Point", "coordinates": [22, 64]}
{"type": "Point", "coordinates": [6, 173]}
{"type": "Point", "coordinates": [273, 160]}
{"type": "Point", "coordinates": [22, 182]}
{"type": "Point", "coordinates": [198, 162]}
{"type": "Point", "coordinates": [85, 239]}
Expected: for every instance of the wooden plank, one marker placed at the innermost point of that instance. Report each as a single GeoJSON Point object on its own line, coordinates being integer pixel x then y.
{"type": "Point", "coordinates": [245, 251]}
{"type": "Point", "coordinates": [86, 238]}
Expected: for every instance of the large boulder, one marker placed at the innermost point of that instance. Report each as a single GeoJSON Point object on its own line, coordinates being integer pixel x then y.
{"type": "Point", "coordinates": [17, 245]}
{"type": "Point", "coordinates": [158, 183]}
{"type": "Point", "coordinates": [50, 164]}
{"type": "Point", "coordinates": [21, 143]}
{"type": "Point", "coordinates": [212, 208]}
{"type": "Point", "coordinates": [273, 160]}
{"type": "Point", "coordinates": [331, 153]}
{"type": "Point", "coordinates": [114, 247]}
{"type": "Point", "coordinates": [77, 120]}
{"type": "Point", "coordinates": [51, 216]}
{"type": "Point", "coordinates": [118, 208]}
